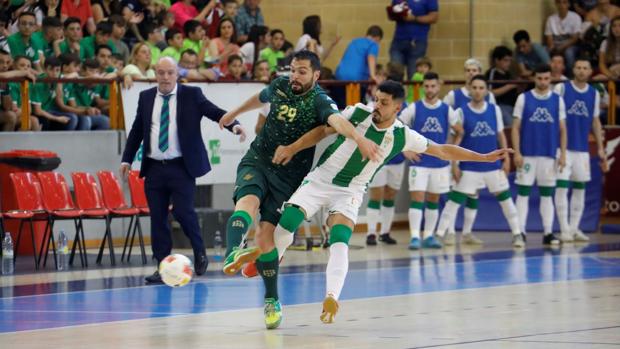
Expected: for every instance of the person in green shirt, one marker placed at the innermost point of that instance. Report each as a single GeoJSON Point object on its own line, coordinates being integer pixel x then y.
{"type": "Point", "coordinates": [87, 96]}
{"type": "Point", "coordinates": [153, 36]}
{"type": "Point", "coordinates": [174, 39]}
{"type": "Point", "coordinates": [196, 40]}
{"type": "Point", "coordinates": [50, 35]}
{"type": "Point", "coordinates": [104, 57]}
{"type": "Point", "coordinates": [23, 43]}
{"type": "Point", "coordinates": [101, 37]}
{"type": "Point", "coordinates": [73, 35]}
{"type": "Point", "coordinates": [65, 96]}
{"type": "Point", "coordinates": [274, 51]}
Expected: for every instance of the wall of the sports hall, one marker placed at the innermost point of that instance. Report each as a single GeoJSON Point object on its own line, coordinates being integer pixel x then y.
{"type": "Point", "coordinates": [466, 28]}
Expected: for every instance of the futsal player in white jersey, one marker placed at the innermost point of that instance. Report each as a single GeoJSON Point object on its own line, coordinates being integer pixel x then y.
{"type": "Point", "coordinates": [483, 132]}
{"type": "Point", "coordinates": [582, 116]}
{"type": "Point", "coordinates": [429, 177]}
{"type": "Point", "coordinates": [539, 139]}
{"type": "Point", "coordinates": [458, 98]}
{"type": "Point", "coordinates": [340, 179]}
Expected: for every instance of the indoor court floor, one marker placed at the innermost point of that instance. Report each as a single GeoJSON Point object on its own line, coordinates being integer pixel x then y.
{"type": "Point", "coordinates": [460, 297]}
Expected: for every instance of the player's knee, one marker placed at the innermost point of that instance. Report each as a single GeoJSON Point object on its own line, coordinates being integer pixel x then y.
{"type": "Point", "coordinates": [292, 217]}
{"type": "Point", "coordinates": [524, 190]}
{"type": "Point", "coordinates": [340, 233]}
{"type": "Point", "coordinates": [546, 191]}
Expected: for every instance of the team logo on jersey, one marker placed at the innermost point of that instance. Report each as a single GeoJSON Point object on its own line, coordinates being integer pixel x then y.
{"type": "Point", "coordinates": [387, 140]}
{"type": "Point", "coordinates": [282, 94]}
{"type": "Point", "coordinates": [579, 108]}
{"type": "Point", "coordinates": [541, 115]}
{"type": "Point", "coordinates": [482, 129]}
{"type": "Point", "coordinates": [432, 125]}
{"type": "Point", "coordinates": [248, 176]}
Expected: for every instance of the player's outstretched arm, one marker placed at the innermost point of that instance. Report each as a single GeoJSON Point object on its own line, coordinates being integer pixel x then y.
{"type": "Point", "coordinates": [454, 152]}
{"type": "Point", "coordinates": [250, 104]}
{"type": "Point", "coordinates": [284, 153]}
{"type": "Point", "coordinates": [368, 148]}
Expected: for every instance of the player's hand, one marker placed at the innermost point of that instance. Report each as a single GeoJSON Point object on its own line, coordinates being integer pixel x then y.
{"type": "Point", "coordinates": [227, 119]}
{"type": "Point", "coordinates": [369, 149]}
{"type": "Point", "coordinates": [604, 164]}
{"type": "Point", "coordinates": [506, 166]}
{"type": "Point", "coordinates": [124, 170]}
{"type": "Point", "coordinates": [411, 156]}
{"type": "Point", "coordinates": [238, 130]}
{"type": "Point", "coordinates": [497, 154]}
{"type": "Point", "coordinates": [283, 154]}
{"type": "Point", "coordinates": [456, 172]}
{"type": "Point", "coordinates": [63, 119]}
{"type": "Point", "coordinates": [562, 161]}
{"type": "Point", "coordinates": [518, 160]}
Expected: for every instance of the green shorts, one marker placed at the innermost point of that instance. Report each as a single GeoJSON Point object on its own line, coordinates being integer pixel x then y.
{"type": "Point", "coordinates": [256, 178]}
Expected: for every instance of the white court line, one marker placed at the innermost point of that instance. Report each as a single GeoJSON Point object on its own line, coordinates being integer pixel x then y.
{"type": "Point", "coordinates": [89, 312]}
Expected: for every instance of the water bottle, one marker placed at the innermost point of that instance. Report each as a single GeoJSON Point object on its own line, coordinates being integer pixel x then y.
{"type": "Point", "coordinates": [7, 254]}
{"type": "Point", "coordinates": [217, 245]}
{"type": "Point", "coordinates": [62, 251]}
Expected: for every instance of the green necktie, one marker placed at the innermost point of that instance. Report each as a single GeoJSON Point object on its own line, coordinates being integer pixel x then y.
{"type": "Point", "coordinates": [164, 122]}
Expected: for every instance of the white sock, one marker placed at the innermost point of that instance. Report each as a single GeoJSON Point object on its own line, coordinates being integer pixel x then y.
{"type": "Point", "coordinates": [452, 226]}
{"type": "Point", "coordinates": [282, 239]}
{"type": "Point", "coordinates": [372, 217]}
{"type": "Point", "coordinates": [561, 208]}
{"type": "Point", "coordinates": [431, 215]}
{"type": "Point", "coordinates": [415, 221]}
{"type": "Point", "coordinates": [577, 203]}
{"type": "Point", "coordinates": [510, 212]}
{"type": "Point", "coordinates": [523, 203]}
{"type": "Point", "coordinates": [546, 212]}
{"type": "Point", "coordinates": [387, 216]}
{"type": "Point", "coordinates": [469, 216]}
{"type": "Point", "coordinates": [337, 268]}
{"type": "Point", "coordinates": [448, 215]}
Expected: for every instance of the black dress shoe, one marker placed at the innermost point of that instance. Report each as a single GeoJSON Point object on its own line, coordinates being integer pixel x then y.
{"type": "Point", "coordinates": [386, 238]}
{"type": "Point", "coordinates": [154, 279]}
{"type": "Point", "coordinates": [200, 263]}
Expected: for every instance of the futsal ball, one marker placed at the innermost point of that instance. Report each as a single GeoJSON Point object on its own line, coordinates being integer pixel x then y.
{"type": "Point", "coordinates": [176, 270]}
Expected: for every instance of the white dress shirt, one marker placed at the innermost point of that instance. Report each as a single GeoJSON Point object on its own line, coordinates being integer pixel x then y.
{"type": "Point", "coordinates": [174, 149]}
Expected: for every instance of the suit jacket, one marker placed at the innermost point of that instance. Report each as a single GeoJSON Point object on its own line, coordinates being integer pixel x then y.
{"type": "Point", "coordinates": [192, 105]}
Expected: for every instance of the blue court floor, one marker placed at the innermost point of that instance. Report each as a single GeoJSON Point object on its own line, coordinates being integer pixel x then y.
{"type": "Point", "coordinates": [491, 296]}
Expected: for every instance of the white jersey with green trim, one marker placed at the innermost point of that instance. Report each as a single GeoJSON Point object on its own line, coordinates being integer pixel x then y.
{"type": "Point", "coordinates": [341, 163]}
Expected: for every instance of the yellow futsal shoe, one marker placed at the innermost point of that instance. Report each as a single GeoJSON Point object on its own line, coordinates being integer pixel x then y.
{"type": "Point", "coordinates": [273, 313]}
{"type": "Point", "coordinates": [238, 257]}
{"type": "Point", "coordinates": [330, 308]}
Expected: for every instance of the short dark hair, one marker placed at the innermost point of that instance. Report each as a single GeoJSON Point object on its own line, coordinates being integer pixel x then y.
{"type": "Point", "coordinates": [3, 52]}
{"type": "Point", "coordinates": [52, 62]}
{"type": "Point", "coordinates": [479, 77]}
{"type": "Point", "coordinates": [170, 33]}
{"type": "Point", "coordinates": [431, 75]}
{"type": "Point", "coordinates": [68, 58]}
{"type": "Point", "coordinates": [117, 20]}
{"type": "Point", "coordinates": [90, 64]}
{"type": "Point", "coordinates": [149, 28]}
{"type": "Point", "coordinates": [190, 52]}
{"type": "Point", "coordinates": [499, 52]}
{"type": "Point", "coordinates": [51, 22]}
{"type": "Point", "coordinates": [521, 35]}
{"type": "Point", "coordinates": [233, 58]}
{"type": "Point", "coordinates": [104, 28]}
{"type": "Point", "coordinates": [375, 30]}
{"type": "Point", "coordinates": [72, 20]}
{"type": "Point", "coordinates": [26, 13]}
{"type": "Point", "coordinates": [393, 88]}
{"type": "Point", "coordinates": [315, 62]}
{"type": "Point", "coordinates": [118, 56]}
{"type": "Point", "coordinates": [555, 53]}
{"type": "Point", "coordinates": [226, 2]}
{"type": "Point", "coordinates": [102, 47]}
{"type": "Point", "coordinates": [190, 26]}
{"type": "Point", "coordinates": [583, 58]}
{"type": "Point", "coordinates": [542, 68]}
{"type": "Point", "coordinates": [18, 57]}
{"type": "Point", "coordinates": [276, 31]}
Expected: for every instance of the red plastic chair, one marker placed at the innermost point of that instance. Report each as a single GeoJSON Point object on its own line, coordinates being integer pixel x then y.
{"type": "Point", "coordinates": [138, 200]}
{"type": "Point", "coordinates": [114, 200]}
{"type": "Point", "coordinates": [29, 207]}
{"type": "Point", "coordinates": [59, 204]}
{"type": "Point", "coordinates": [88, 198]}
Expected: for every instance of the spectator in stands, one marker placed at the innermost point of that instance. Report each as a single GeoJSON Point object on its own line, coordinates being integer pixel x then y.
{"type": "Point", "coordinates": [273, 52]}
{"type": "Point", "coordinates": [23, 43]}
{"type": "Point", "coordinates": [87, 96]}
{"type": "Point", "coordinates": [311, 38]}
{"type": "Point", "coordinates": [558, 67]}
{"type": "Point", "coordinates": [609, 55]}
{"type": "Point", "coordinates": [382, 75]}
{"type": "Point", "coordinates": [9, 108]}
{"type": "Point", "coordinates": [139, 66]}
{"type": "Point", "coordinates": [189, 68]}
{"type": "Point", "coordinates": [119, 28]}
{"type": "Point", "coordinates": [582, 7]}
{"type": "Point", "coordinates": [235, 69]}
{"type": "Point", "coordinates": [226, 8]}
{"type": "Point", "coordinates": [80, 9]}
{"type": "Point", "coordinates": [8, 118]}
{"type": "Point", "coordinates": [185, 10]}
{"type": "Point", "coordinates": [529, 54]}
{"type": "Point", "coordinates": [51, 36]}
{"type": "Point", "coordinates": [248, 15]}
{"type": "Point", "coordinates": [103, 9]}
{"type": "Point", "coordinates": [5, 19]}
{"type": "Point", "coordinates": [135, 12]}
{"type": "Point", "coordinates": [224, 44]}
{"type": "Point", "coordinates": [46, 8]}
{"type": "Point", "coordinates": [166, 22]}
{"type": "Point", "coordinates": [411, 34]}
{"type": "Point", "coordinates": [359, 59]}
{"type": "Point", "coordinates": [602, 14]}
{"type": "Point", "coordinates": [153, 36]}
{"type": "Point", "coordinates": [261, 71]}
{"type": "Point", "coordinates": [562, 32]}
{"type": "Point", "coordinates": [422, 66]}
{"type": "Point", "coordinates": [104, 57]}
{"type": "Point", "coordinates": [117, 62]}
{"type": "Point", "coordinates": [69, 66]}
{"type": "Point", "coordinates": [195, 39]}
{"type": "Point", "coordinates": [505, 94]}
{"type": "Point", "coordinates": [174, 39]}
{"type": "Point", "coordinates": [72, 37]}
{"type": "Point", "coordinates": [101, 37]}
{"type": "Point", "coordinates": [258, 39]}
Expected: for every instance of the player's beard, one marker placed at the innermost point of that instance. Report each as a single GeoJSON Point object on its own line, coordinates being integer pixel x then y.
{"type": "Point", "coordinates": [376, 116]}
{"type": "Point", "coordinates": [299, 88]}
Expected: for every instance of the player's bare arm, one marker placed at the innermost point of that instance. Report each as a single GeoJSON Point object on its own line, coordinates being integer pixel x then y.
{"type": "Point", "coordinates": [563, 143]}
{"type": "Point", "coordinates": [516, 141]}
{"type": "Point", "coordinates": [368, 148]}
{"type": "Point", "coordinates": [597, 130]}
{"type": "Point", "coordinates": [250, 104]}
{"type": "Point", "coordinates": [284, 153]}
{"type": "Point", "coordinates": [454, 152]}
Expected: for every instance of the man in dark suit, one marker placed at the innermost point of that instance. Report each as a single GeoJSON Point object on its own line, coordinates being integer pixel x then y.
{"type": "Point", "coordinates": [168, 123]}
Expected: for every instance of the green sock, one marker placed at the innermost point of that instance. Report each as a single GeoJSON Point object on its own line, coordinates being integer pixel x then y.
{"type": "Point", "coordinates": [238, 224]}
{"type": "Point", "coordinates": [267, 265]}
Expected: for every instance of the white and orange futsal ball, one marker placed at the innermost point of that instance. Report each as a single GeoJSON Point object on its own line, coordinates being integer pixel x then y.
{"type": "Point", "coordinates": [176, 270]}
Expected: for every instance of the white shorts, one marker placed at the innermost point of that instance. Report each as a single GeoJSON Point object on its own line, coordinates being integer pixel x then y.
{"type": "Point", "coordinates": [471, 181]}
{"type": "Point", "coordinates": [431, 180]}
{"type": "Point", "coordinates": [390, 175]}
{"type": "Point", "coordinates": [314, 194]}
{"type": "Point", "coordinates": [539, 169]}
{"type": "Point", "coordinates": [577, 167]}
